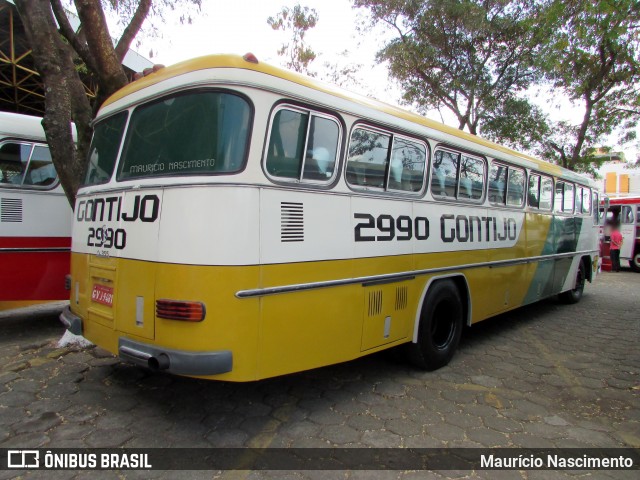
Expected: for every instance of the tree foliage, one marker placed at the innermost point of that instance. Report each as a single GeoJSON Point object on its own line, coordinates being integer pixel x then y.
{"type": "Point", "coordinates": [470, 57]}
{"type": "Point", "coordinates": [61, 52]}
{"type": "Point", "coordinates": [592, 56]}
{"type": "Point", "coordinates": [296, 21]}
{"type": "Point", "coordinates": [518, 124]}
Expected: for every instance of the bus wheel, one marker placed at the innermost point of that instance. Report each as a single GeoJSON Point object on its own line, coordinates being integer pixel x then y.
{"type": "Point", "coordinates": [574, 296]}
{"type": "Point", "coordinates": [634, 263]}
{"type": "Point", "coordinates": [440, 327]}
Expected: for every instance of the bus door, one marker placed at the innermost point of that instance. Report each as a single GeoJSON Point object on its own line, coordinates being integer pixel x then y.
{"type": "Point", "coordinates": [628, 230]}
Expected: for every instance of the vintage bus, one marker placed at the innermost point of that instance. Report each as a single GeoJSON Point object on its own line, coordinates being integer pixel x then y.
{"type": "Point", "coordinates": [240, 222]}
{"type": "Point", "coordinates": [625, 213]}
{"type": "Point", "coordinates": [35, 217]}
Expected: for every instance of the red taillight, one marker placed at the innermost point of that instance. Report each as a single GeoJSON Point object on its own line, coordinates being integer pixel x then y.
{"type": "Point", "coordinates": [179, 310]}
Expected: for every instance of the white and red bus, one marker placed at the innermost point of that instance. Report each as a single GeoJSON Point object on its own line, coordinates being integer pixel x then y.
{"type": "Point", "coordinates": [624, 212]}
{"type": "Point", "coordinates": [35, 217]}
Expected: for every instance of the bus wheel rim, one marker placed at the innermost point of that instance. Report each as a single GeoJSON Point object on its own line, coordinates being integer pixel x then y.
{"type": "Point", "coordinates": [442, 326]}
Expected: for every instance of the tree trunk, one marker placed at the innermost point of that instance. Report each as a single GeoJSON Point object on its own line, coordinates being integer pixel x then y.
{"type": "Point", "coordinates": [111, 74]}
{"type": "Point", "coordinates": [65, 98]}
{"type": "Point", "coordinates": [582, 133]}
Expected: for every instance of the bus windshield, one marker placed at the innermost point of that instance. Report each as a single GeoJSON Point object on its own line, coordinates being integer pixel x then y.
{"type": "Point", "coordinates": [204, 132]}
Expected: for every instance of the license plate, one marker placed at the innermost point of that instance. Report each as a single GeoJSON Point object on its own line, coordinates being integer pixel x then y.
{"type": "Point", "coordinates": [103, 295]}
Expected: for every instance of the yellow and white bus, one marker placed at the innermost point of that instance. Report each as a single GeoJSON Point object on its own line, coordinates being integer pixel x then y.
{"type": "Point", "coordinates": [240, 222]}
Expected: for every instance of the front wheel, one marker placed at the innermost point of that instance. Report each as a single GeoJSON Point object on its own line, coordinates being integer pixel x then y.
{"type": "Point", "coordinates": [574, 296]}
{"type": "Point", "coordinates": [440, 326]}
{"type": "Point", "coordinates": [634, 263]}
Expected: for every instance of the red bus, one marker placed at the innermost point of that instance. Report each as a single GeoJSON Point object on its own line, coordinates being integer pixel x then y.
{"type": "Point", "coordinates": [35, 217]}
{"type": "Point", "coordinates": [624, 212]}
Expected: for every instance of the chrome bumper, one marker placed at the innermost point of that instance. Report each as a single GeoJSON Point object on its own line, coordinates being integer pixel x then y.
{"type": "Point", "coordinates": [179, 362]}
{"type": "Point", "coordinates": [71, 321]}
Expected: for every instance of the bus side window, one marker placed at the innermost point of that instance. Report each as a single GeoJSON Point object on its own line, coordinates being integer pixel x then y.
{"type": "Point", "coordinates": [534, 191]}
{"type": "Point", "coordinates": [586, 200]}
{"type": "Point", "coordinates": [41, 171]}
{"type": "Point", "coordinates": [471, 178]}
{"type": "Point", "coordinates": [515, 187]}
{"type": "Point", "coordinates": [322, 149]}
{"type": "Point", "coordinates": [368, 156]}
{"type": "Point", "coordinates": [626, 214]}
{"type": "Point", "coordinates": [546, 193]}
{"type": "Point", "coordinates": [497, 184]}
{"type": "Point", "coordinates": [406, 170]}
{"type": "Point", "coordinates": [303, 145]}
{"type": "Point", "coordinates": [14, 158]}
{"type": "Point", "coordinates": [569, 197]}
{"type": "Point", "coordinates": [559, 199]}
{"type": "Point", "coordinates": [444, 174]}
{"type": "Point", "coordinates": [286, 144]}
{"type": "Point", "coordinates": [579, 191]}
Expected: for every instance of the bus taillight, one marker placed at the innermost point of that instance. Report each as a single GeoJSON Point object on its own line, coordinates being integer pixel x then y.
{"type": "Point", "coordinates": [180, 310]}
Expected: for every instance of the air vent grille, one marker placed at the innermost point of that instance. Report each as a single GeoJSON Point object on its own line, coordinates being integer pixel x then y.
{"type": "Point", "coordinates": [11, 210]}
{"type": "Point", "coordinates": [401, 298]}
{"type": "Point", "coordinates": [375, 303]}
{"type": "Point", "coordinates": [291, 222]}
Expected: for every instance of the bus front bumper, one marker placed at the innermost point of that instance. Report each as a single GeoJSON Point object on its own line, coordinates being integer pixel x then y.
{"type": "Point", "coordinates": [178, 362]}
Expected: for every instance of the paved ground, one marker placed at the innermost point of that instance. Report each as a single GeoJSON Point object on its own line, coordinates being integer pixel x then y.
{"type": "Point", "coordinates": [543, 376]}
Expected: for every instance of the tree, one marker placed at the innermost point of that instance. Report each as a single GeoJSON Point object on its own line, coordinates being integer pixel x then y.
{"type": "Point", "coordinates": [470, 57]}
{"type": "Point", "coordinates": [296, 21]}
{"type": "Point", "coordinates": [518, 124]}
{"type": "Point", "coordinates": [60, 52]}
{"type": "Point", "coordinates": [342, 72]}
{"type": "Point", "coordinates": [593, 59]}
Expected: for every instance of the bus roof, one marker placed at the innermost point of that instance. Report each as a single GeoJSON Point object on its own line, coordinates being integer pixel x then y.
{"type": "Point", "coordinates": [25, 127]}
{"type": "Point", "coordinates": [238, 62]}
{"type": "Point", "coordinates": [16, 125]}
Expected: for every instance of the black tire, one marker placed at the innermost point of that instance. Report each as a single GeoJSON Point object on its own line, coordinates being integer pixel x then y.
{"type": "Point", "coordinates": [440, 326]}
{"type": "Point", "coordinates": [634, 262]}
{"type": "Point", "coordinates": [574, 296]}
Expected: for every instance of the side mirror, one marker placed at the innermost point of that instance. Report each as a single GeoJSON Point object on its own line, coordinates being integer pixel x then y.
{"type": "Point", "coordinates": [607, 202]}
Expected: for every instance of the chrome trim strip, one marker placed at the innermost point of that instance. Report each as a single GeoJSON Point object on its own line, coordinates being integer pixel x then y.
{"type": "Point", "coordinates": [34, 249]}
{"type": "Point", "coordinates": [134, 353]}
{"type": "Point", "coordinates": [261, 292]}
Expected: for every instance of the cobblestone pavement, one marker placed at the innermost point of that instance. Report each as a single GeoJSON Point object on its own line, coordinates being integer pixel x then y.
{"type": "Point", "coordinates": [546, 375]}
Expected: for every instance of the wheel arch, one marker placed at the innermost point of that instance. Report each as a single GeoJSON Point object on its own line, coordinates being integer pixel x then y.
{"type": "Point", "coordinates": [463, 288]}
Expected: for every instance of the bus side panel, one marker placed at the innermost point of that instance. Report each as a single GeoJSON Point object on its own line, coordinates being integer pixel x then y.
{"type": "Point", "coordinates": [300, 234]}
{"type": "Point", "coordinates": [508, 284]}
{"type": "Point", "coordinates": [229, 324]}
{"type": "Point", "coordinates": [309, 329]}
{"type": "Point", "coordinates": [36, 231]}
{"type": "Point", "coordinates": [540, 241]}
{"type": "Point", "coordinates": [565, 236]}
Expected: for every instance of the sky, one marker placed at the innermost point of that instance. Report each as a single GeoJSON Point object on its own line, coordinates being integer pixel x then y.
{"type": "Point", "coordinates": [240, 26]}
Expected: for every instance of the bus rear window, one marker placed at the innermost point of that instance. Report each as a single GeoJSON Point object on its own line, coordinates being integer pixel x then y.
{"type": "Point", "coordinates": [187, 134]}
{"type": "Point", "coordinates": [103, 151]}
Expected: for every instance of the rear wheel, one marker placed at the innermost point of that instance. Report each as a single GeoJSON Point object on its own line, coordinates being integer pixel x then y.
{"type": "Point", "coordinates": [440, 326]}
{"type": "Point", "coordinates": [574, 296]}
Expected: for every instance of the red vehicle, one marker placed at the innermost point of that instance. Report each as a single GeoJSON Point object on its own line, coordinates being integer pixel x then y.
{"type": "Point", "coordinates": [35, 217]}
{"type": "Point", "coordinates": [624, 212]}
